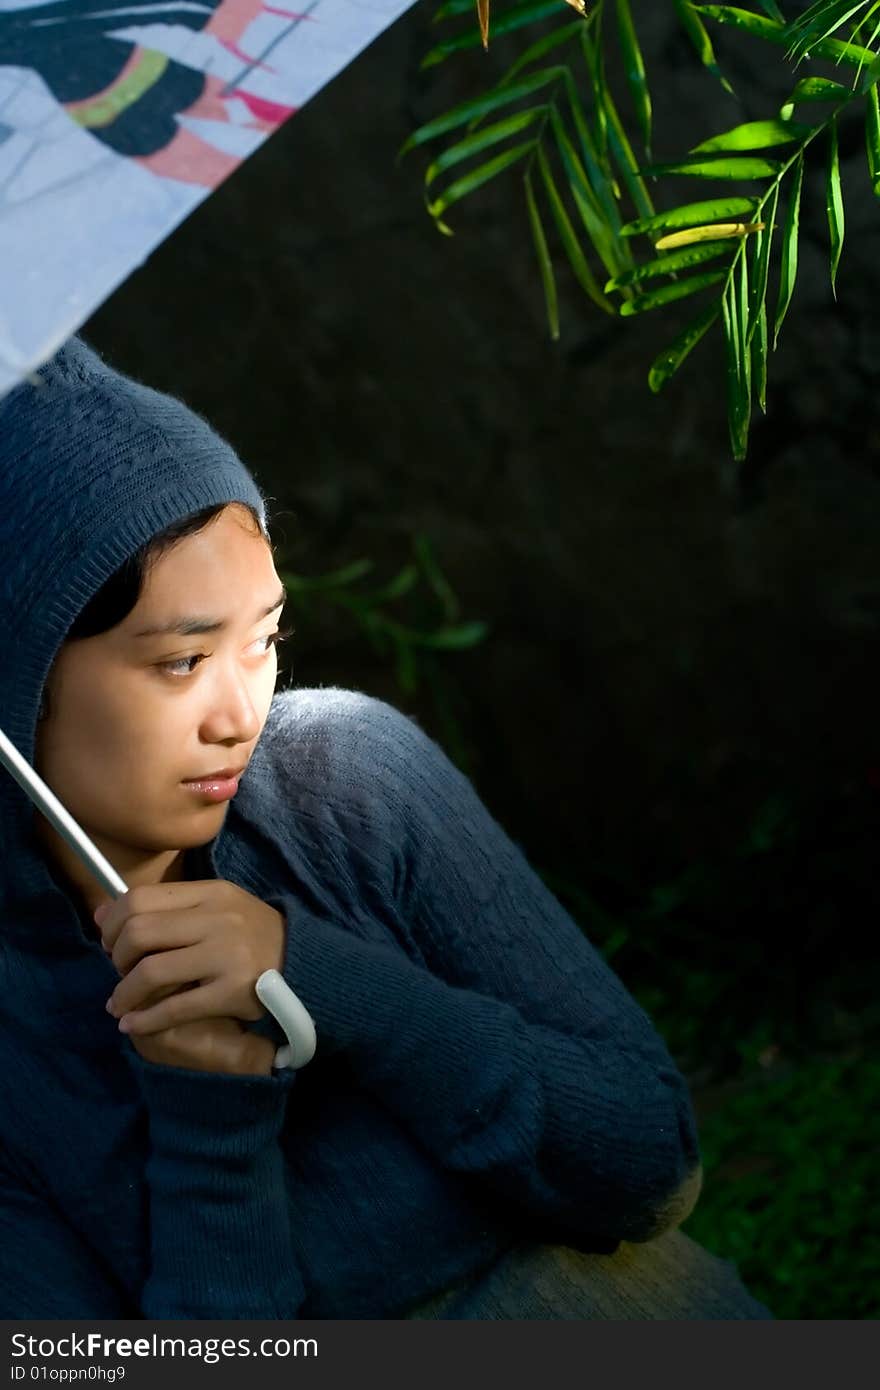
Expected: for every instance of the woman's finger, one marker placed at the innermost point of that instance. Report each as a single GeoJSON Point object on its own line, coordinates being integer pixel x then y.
{"type": "Point", "coordinates": [186, 1007]}
{"type": "Point", "coordinates": [154, 972]}
{"type": "Point", "coordinates": [164, 993]}
{"type": "Point", "coordinates": [154, 932]}
{"type": "Point", "coordinates": [112, 914]}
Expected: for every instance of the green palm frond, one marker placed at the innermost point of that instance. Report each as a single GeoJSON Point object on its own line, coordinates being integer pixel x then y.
{"type": "Point", "coordinates": [788, 271]}
{"type": "Point", "coordinates": [548, 279]}
{"type": "Point", "coordinates": [698, 34]}
{"type": "Point", "coordinates": [635, 71]}
{"type": "Point", "coordinates": [872, 138]}
{"type": "Point", "coordinates": [734, 310]}
{"type": "Point", "coordinates": [776, 31]}
{"type": "Point", "coordinates": [821, 21]}
{"type": "Point", "coordinates": [566, 113]}
{"type": "Point", "coordinates": [672, 357]}
{"type": "Point", "coordinates": [668, 265]}
{"type": "Point", "coordinates": [761, 247]}
{"type": "Point", "coordinates": [515, 17]}
{"type": "Point", "coordinates": [754, 135]}
{"type": "Point", "coordinates": [834, 203]}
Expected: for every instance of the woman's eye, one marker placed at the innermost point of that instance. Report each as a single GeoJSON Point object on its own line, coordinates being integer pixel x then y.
{"type": "Point", "coordinates": [172, 668]}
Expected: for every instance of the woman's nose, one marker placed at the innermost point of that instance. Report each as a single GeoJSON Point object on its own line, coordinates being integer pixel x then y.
{"type": "Point", "coordinates": [235, 712]}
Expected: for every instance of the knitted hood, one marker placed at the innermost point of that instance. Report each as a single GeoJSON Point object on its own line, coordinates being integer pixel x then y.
{"type": "Point", "coordinates": [92, 465]}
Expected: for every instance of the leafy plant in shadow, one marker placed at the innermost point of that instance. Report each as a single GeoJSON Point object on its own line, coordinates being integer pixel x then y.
{"type": "Point", "coordinates": [415, 641]}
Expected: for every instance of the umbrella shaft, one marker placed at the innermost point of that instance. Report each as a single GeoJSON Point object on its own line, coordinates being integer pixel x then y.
{"type": "Point", "coordinates": [47, 802]}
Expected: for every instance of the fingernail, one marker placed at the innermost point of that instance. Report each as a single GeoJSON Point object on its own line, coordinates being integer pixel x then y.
{"type": "Point", "coordinates": [124, 1024]}
{"type": "Point", "coordinates": [100, 913]}
{"type": "Point", "coordinates": [109, 1006]}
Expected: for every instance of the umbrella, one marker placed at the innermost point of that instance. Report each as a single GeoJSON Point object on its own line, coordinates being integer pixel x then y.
{"type": "Point", "coordinates": [271, 988]}
{"type": "Point", "coordinates": [119, 117]}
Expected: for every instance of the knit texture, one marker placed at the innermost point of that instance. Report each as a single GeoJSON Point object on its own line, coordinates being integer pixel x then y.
{"type": "Point", "coordinates": [482, 1077]}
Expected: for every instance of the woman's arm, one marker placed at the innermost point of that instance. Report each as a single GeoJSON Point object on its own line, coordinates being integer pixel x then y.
{"type": "Point", "coordinates": [513, 1053]}
{"type": "Point", "coordinates": [219, 1216]}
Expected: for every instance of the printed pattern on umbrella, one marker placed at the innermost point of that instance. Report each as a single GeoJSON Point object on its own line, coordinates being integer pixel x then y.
{"type": "Point", "coordinates": [187, 88]}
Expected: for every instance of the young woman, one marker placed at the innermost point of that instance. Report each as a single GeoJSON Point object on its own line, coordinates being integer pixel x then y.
{"type": "Point", "coordinates": [490, 1127]}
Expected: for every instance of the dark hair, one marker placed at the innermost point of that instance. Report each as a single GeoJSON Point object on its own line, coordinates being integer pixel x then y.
{"type": "Point", "coordinates": [118, 595]}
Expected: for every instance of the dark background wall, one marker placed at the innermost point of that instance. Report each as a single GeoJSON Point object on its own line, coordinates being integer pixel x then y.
{"type": "Point", "coordinates": [674, 639]}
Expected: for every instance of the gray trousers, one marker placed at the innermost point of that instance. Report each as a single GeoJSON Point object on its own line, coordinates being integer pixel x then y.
{"type": "Point", "coordinates": [669, 1277]}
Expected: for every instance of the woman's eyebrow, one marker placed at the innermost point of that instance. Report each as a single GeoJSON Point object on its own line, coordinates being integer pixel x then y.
{"type": "Point", "coordinates": [188, 627]}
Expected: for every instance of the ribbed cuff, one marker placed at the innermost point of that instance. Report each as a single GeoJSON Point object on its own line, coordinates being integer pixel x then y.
{"type": "Point", "coordinates": [238, 1114]}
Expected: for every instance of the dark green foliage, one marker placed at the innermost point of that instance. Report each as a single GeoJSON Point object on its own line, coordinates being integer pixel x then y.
{"type": "Point", "coordinates": [792, 1187]}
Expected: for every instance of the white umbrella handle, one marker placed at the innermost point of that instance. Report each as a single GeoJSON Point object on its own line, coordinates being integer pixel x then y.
{"type": "Point", "coordinates": [271, 988]}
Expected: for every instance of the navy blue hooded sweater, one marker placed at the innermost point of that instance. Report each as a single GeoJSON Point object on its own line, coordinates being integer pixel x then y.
{"type": "Point", "coordinates": [481, 1077]}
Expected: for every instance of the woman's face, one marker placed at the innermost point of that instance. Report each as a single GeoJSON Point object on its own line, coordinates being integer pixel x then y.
{"type": "Point", "coordinates": [133, 717]}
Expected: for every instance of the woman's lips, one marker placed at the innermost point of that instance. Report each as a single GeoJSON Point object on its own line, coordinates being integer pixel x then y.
{"type": "Point", "coordinates": [215, 788]}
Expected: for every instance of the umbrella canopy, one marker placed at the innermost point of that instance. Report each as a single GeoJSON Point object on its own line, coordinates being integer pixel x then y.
{"type": "Point", "coordinates": [118, 119]}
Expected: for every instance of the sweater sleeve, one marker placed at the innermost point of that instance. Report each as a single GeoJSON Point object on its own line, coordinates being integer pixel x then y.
{"type": "Point", "coordinates": [219, 1215]}
{"type": "Point", "coordinates": [498, 1035]}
